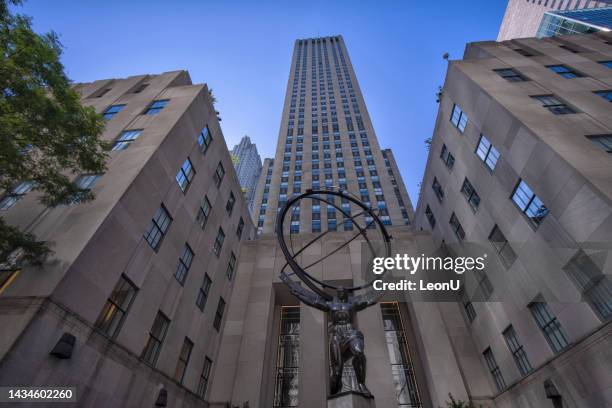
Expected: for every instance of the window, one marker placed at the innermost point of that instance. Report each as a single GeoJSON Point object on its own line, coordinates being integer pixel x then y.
{"type": "Point", "coordinates": [288, 358]}
{"type": "Point", "coordinates": [229, 207]}
{"type": "Point", "coordinates": [204, 139]}
{"type": "Point", "coordinates": [564, 71]}
{"type": "Point", "coordinates": [447, 157]}
{"type": "Point", "coordinates": [183, 360]}
{"type": "Point", "coordinates": [231, 266]}
{"type": "Point", "coordinates": [470, 194]}
{"type": "Point", "coordinates": [203, 293]}
{"type": "Point", "coordinates": [459, 118]}
{"type": "Point", "coordinates": [203, 384]}
{"type": "Point", "coordinates": [510, 75]}
{"type": "Point", "coordinates": [468, 306]}
{"type": "Point", "coordinates": [204, 212]}
{"type": "Point", "coordinates": [554, 105]}
{"type": "Point", "coordinates": [523, 52]}
{"type": "Point", "coordinates": [529, 203]}
{"type": "Point", "coordinates": [116, 308]}
{"type": "Point", "coordinates": [219, 314]}
{"type": "Point", "coordinates": [126, 138]}
{"type": "Point", "coordinates": [219, 174]}
{"type": "Point", "coordinates": [485, 288]}
{"type": "Point", "coordinates": [502, 247]}
{"type": "Point", "coordinates": [158, 228]}
{"type": "Point", "coordinates": [184, 264]}
{"type": "Point", "coordinates": [9, 200]}
{"type": "Point", "coordinates": [550, 326]}
{"type": "Point", "coordinates": [517, 350]}
{"type": "Point", "coordinates": [240, 228]}
{"type": "Point", "coordinates": [487, 152]}
{"type": "Point", "coordinates": [607, 95]}
{"type": "Point", "coordinates": [156, 339]}
{"type": "Point", "coordinates": [112, 111]}
{"type": "Point", "coordinates": [592, 283]}
{"type": "Point", "coordinates": [185, 175]}
{"type": "Point", "coordinates": [602, 141]}
{"type": "Point", "coordinates": [606, 64]}
{"type": "Point", "coordinates": [430, 217]}
{"type": "Point", "coordinates": [219, 242]}
{"type": "Point", "coordinates": [156, 107]}
{"type": "Point", "coordinates": [140, 88]}
{"type": "Point", "coordinates": [437, 188]}
{"type": "Point", "coordinates": [494, 370]}
{"type": "Point", "coordinates": [456, 226]}
{"type": "Point", "coordinates": [402, 368]}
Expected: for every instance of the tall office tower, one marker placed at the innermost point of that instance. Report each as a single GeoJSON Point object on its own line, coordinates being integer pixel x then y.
{"type": "Point", "coordinates": [571, 22]}
{"type": "Point", "coordinates": [326, 139]}
{"type": "Point", "coordinates": [520, 166]}
{"type": "Point", "coordinates": [523, 17]}
{"type": "Point", "coordinates": [248, 167]}
{"type": "Point", "coordinates": [130, 307]}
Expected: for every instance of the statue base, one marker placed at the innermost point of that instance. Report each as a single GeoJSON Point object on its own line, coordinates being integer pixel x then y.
{"type": "Point", "coordinates": [350, 399]}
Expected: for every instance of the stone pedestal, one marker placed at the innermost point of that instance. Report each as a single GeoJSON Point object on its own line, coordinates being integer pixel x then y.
{"type": "Point", "coordinates": [350, 400]}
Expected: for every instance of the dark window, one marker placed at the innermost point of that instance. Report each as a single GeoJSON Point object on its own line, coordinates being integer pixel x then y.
{"type": "Point", "coordinates": [502, 247]}
{"type": "Point", "coordinates": [606, 63]}
{"type": "Point", "coordinates": [458, 118]}
{"type": "Point", "coordinates": [529, 203]}
{"type": "Point", "coordinates": [468, 306]}
{"type": "Point", "coordinates": [510, 74]}
{"type": "Point", "coordinates": [203, 384]}
{"type": "Point", "coordinates": [564, 71]}
{"type": "Point", "coordinates": [447, 157]}
{"type": "Point", "coordinates": [116, 308]}
{"type": "Point", "coordinates": [288, 356]}
{"type": "Point", "coordinates": [184, 263]}
{"type": "Point", "coordinates": [140, 88]}
{"type": "Point", "coordinates": [470, 194]}
{"type": "Point", "coordinates": [229, 207]}
{"type": "Point", "coordinates": [523, 52]}
{"type": "Point", "coordinates": [494, 370]}
{"type": "Point", "coordinates": [112, 111]}
{"type": "Point", "coordinates": [183, 360]}
{"type": "Point", "coordinates": [156, 339]}
{"type": "Point", "coordinates": [487, 152]}
{"type": "Point", "coordinates": [204, 139]}
{"type": "Point", "coordinates": [219, 242]}
{"type": "Point", "coordinates": [219, 314]}
{"type": "Point", "coordinates": [156, 107]}
{"type": "Point", "coordinates": [158, 227]}
{"type": "Point", "coordinates": [240, 228]}
{"type": "Point", "coordinates": [204, 212]}
{"type": "Point", "coordinates": [430, 217]}
{"type": "Point", "coordinates": [126, 138]}
{"type": "Point", "coordinates": [203, 292]}
{"type": "Point", "coordinates": [219, 174]}
{"type": "Point", "coordinates": [456, 226]}
{"type": "Point", "coordinates": [554, 105]}
{"type": "Point", "coordinates": [602, 141]}
{"type": "Point", "coordinates": [231, 266]}
{"type": "Point", "coordinates": [594, 286]}
{"type": "Point", "coordinates": [550, 326]}
{"type": "Point", "coordinates": [517, 350]}
{"type": "Point", "coordinates": [16, 194]}
{"type": "Point", "coordinates": [437, 188]}
{"type": "Point", "coordinates": [185, 175]}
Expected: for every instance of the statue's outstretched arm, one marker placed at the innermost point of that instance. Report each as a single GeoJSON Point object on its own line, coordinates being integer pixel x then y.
{"type": "Point", "coordinates": [366, 300]}
{"type": "Point", "coordinates": [306, 296]}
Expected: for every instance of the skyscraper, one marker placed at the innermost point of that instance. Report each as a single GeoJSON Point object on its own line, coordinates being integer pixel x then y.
{"type": "Point", "coordinates": [523, 17]}
{"type": "Point", "coordinates": [130, 307]}
{"type": "Point", "coordinates": [520, 165]}
{"type": "Point", "coordinates": [248, 167]}
{"type": "Point", "coordinates": [570, 22]}
{"type": "Point", "coordinates": [327, 139]}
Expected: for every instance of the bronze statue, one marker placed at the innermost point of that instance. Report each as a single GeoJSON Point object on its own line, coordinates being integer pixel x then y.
{"type": "Point", "coordinates": [346, 342]}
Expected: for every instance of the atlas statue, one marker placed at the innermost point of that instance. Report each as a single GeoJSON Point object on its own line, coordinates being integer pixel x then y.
{"type": "Point", "coordinates": [346, 341]}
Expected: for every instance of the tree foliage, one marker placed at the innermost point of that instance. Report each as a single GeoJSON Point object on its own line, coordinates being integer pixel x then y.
{"type": "Point", "coordinates": [47, 136]}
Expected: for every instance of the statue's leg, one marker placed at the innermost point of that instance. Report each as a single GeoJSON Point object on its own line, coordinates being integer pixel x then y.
{"type": "Point", "coordinates": [335, 356]}
{"type": "Point", "coordinates": [359, 363]}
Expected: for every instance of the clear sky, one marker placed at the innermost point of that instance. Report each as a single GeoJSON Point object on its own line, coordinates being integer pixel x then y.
{"type": "Point", "coordinates": [242, 49]}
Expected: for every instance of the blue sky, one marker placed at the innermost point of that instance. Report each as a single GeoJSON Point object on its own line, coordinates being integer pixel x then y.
{"type": "Point", "coordinates": [242, 49]}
